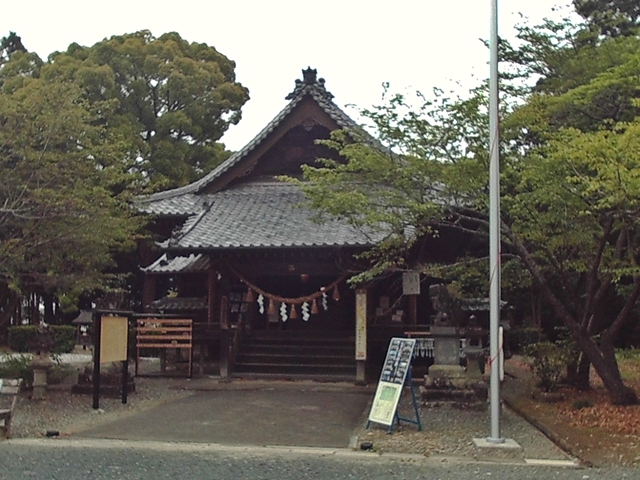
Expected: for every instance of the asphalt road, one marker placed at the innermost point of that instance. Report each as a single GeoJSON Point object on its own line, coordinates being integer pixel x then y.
{"type": "Point", "coordinates": [89, 459]}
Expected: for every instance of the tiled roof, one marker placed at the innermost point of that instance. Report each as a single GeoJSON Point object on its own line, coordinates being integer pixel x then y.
{"type": "Point", "coordinates": [179, 304]}
{"type": "Point", "coordinates": [259, 215]}
{"type": "Point", "coordinates": [192, 263]}
{"type": "Point", "coordinates": [171, 202]}
{"type": "Point", "coordinates": [180, 205]}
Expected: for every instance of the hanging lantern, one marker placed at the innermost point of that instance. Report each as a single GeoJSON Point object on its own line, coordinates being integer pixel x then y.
{"type": "Point", "coordinates": [251, 296]}
{"type": "Point", "coordinates": [293, 314]}
{"type": "Point", "coordinates": [314, 307]}
{"type": "Point", "coordinates": [272, 307]}
{"type": "Point", "coordinates": [336, 293]}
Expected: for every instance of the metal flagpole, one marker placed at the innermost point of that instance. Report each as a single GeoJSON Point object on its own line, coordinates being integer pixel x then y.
{"type": "Point", "coordinates": [494, 228]}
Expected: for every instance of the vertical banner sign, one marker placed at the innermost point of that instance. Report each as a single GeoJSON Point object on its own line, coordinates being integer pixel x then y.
{"type": "Point", "coordinates": [361, 324]}
{"type": "Point", "coordinates": [392, 378]}
{"type": "Point", "coordinates": [411, 283]}
{"type": "Point", "coordinates": [114, 333]}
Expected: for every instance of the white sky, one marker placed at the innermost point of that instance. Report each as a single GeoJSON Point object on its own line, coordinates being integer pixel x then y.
{"type": "Point", "coordinates": [356, 45]}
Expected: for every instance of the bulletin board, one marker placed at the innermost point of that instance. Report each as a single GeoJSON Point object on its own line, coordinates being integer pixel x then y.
{"type": "Point", "coordinates": [114, 335]}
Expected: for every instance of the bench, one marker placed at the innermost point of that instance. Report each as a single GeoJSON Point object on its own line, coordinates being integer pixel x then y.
{"type": "Point", "coordinates": [9, 389]}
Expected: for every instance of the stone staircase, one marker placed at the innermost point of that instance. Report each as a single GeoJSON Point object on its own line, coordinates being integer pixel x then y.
{"type": "Point", "coordinates": [297, 355]}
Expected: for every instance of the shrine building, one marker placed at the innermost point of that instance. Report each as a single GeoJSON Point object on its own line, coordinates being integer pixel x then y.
{"type": "Point", "coordinates": [264, 284]}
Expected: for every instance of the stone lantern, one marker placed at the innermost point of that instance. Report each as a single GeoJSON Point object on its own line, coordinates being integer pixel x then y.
{"type": "Point", "coordinates": [42, 344]}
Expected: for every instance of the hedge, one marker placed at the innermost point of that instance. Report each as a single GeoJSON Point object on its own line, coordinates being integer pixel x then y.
{"type": "Point", "coordinates": [517, 339]}
{"type": "Point", "coordinates": [64, 337]}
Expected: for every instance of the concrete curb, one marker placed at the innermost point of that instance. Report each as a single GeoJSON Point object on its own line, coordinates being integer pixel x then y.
{"type": "Point", "coordinates": [268, 450]}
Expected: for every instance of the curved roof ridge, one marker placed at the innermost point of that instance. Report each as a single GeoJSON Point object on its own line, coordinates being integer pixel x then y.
{"type": "Point", "coordinates": [189, 225]}
{"type": "Point", "coordinates": [310, 85]}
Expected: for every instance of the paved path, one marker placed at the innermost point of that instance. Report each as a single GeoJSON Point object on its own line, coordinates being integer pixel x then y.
{"type": "Point", "coordinates": [305, 416]}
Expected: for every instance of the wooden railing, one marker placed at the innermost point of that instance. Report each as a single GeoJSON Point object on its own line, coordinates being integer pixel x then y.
{"type": "Point", "coordinates": [164, 334]}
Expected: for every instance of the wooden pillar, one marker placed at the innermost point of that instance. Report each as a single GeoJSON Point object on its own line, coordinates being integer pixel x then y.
{"type": "Point", "coordinates": [224, 337]}
{"type": "Point", "coordinates": [148, 291]}
{"type": "Point", "coordinates": [361, 335]}
{"type": "Point", "coordinates": [413, 309]}
{"type": "Point", "coordinates": [212, 280]}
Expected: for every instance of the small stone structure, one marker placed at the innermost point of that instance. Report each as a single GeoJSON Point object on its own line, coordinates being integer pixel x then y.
{"type": "Point", "coordinates": [110, 381]}
{"type": "Point", "coordinates": [448, 379]}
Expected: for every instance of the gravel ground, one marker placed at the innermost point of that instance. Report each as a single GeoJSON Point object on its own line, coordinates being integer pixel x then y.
{"type": "Point", "coordinates": [447, 430]}
{"type": "Point", "coordinates": [68, 413]}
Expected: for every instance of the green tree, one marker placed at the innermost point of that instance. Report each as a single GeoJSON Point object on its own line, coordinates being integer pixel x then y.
{"type": "Point", "coordinates": [610, 17]}
{"type": "Point", "coordinates": [173, 100]}
{"type": "Point", "coordinates": [569, 187]}
{"type": "Point", "coordinates": [9, 45]}
{"type": "Point", "coordinates": [61, 220]}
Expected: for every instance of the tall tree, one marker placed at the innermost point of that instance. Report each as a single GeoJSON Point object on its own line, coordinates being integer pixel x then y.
{"type": "Point", "coordinates": [9, 45]}
{"type": "Point", "coordinates": [569, 188]}
{"type": "Point", "coordinates": [61, 221]}
{"type": "Point", "coordinates": [174, 99]}
{"type": "Point", "coordinates": [610, 17]}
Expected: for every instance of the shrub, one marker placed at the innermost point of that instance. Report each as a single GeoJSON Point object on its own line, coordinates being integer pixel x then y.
{"type": "Point", "coordinates": [59, 372]}
{"type": "Point", "coordinates": [547, 362]}
{"type": "Point", "coordinates": [17, 367]}
{"type": "Point", "coordinates": [518, 339]}
{"type": "Point", "coordinates": [21, 337]}
{"type": "Point", "coordinates": [628, 354]}
{"type": "Point", "coordinates": [580, 403]}
{"type": "Point", "coordinates": [64, 337]}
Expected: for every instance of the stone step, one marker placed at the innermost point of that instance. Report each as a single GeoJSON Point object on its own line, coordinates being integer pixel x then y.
{"type": "Point", "coordinates": [306, 350]}
{"type": "Point", "coordinates": [311, 342]}
{"type": "Point", "coordinates": [294, 358]}
{"type": "Point", "coordinates": [294, 368]}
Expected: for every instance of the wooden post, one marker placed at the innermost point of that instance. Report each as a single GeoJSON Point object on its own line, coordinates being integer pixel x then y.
{"type": "Point", "coordinates": [361, 335]}
{"type": "Point", "coordinates": [212, 279]}
{"type": "Point", "coordinates": [97, 327]}
{"type": "Point", "coordinates": [148, 291]}
{"type": "Point", "coordinates": [224, 337]}
{"type": "Point", "coordinates": [413, 309]}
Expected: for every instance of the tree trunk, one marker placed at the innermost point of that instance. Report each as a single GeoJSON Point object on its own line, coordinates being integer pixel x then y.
{"type": "Point", "coordinates": [602, 357]}
{"type": "Point", "coordinates": [9, 302]}
{"type": "Point", "coordinates": [578, 373]}
{"type": "Point", "coordinates": [48, 300]}
{"type": "Point", "coordinates": [604, 362]}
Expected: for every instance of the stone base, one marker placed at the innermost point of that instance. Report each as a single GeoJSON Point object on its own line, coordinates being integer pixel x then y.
{"type": "Point", "coordinates": [445, 376]}
{"type": "Point", "coordinates": [453, 383]}
{"type": "Point", "coordinates": [507, 444]}
{"type": "Point", "coordinates": [110, 383]}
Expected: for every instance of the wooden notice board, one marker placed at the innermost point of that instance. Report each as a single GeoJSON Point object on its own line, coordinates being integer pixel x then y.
{"type": "Point", "coordinates": [114, 335]}
{"type": "Point", "coordinates": [394, 373]}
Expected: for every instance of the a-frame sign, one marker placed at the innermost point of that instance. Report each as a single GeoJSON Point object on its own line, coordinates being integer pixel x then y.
{"type": "Point", "coordinates": [396, 372]}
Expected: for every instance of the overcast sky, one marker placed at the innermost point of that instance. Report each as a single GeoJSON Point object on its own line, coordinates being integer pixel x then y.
{"type": "Point", "coordinates": [356, 45]}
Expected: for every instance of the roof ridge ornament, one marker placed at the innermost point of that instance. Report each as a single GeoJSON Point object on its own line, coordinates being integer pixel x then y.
{"type": "Point", "coordinates": [310, 81]}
